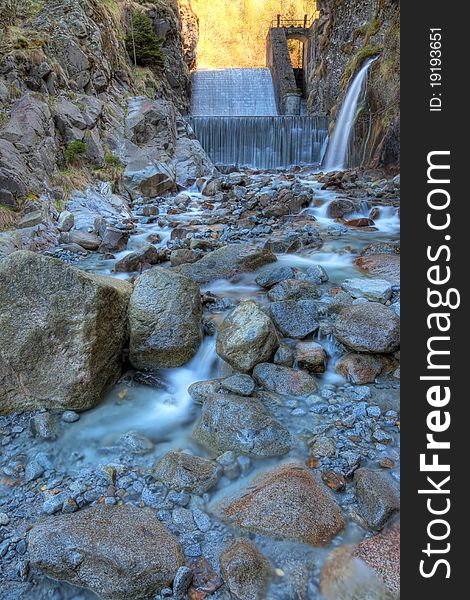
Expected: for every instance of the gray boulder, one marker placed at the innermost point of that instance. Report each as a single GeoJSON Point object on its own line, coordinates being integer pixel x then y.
{"type": "Point", "coordinates": [245, 570]}
{"type": "Point", "coordinates": [226, 262]}
{"type": "Point", "coordinates": [62, 333]}
{"type": "Point", "coordinates": [182, 471]}
{"type": "Point", "coordinates": [120, 552]}
{"type": "Point", "coordinates": [369, 327]}
{"type": "Point", "coordinates": [284, 380]}
{"type": "Point", "coordinates": [246, 337]}
{"type": "Point", "coordinates": [274, 275]}
{"type": "Point", "coordinates": [378, 496]}
{"type": "Point", "coordinates": [293, 289]}
{"type": "Point", "coordinates": [375, 290]}
{"type": "Point", "coordinates": [295, 319]}
{"type": "Point", "coordinates": [148, 255]}
{"type": "Point", "coordinates": [165, 315]}
{"type": "Point", "coordinates": [241, 424]}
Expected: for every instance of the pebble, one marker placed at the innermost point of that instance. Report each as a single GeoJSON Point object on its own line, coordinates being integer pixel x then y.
{"type": "Point", "coordinates": [4, 518]}
{"type": "Point", "coordinates": [382, 436]}
{"type": "Point", "coordinates": [70, 416]}
{"type": "Point", "coordinates": [182, 581]}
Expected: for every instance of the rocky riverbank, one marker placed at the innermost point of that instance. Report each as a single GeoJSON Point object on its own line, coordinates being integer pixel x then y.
{"type": "Point", "coordinates": [218, 381]}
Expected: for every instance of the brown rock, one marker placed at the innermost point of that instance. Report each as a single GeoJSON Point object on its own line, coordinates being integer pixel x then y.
{"type": "Point", "coordinates": [245, 570]}
{"type": "Point", "coordinates": [385, 266]}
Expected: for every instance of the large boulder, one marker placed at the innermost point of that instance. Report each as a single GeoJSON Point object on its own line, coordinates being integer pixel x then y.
{"type": "Point", "coordinates": [226, 262]}
{"type": "Point", "coordinates": [287, 503]}
{"type": "Point", "coordinates": [369, 327]}
{"type": "Point", "coordinates": [385, 266]}
{"type": "Point", "coordinates": [182, 471]}
{"type": "Point", "coordinates": [118, 552]}
{"type": "Point", "coordinates": [284, 380]}
{"type": "Point", "coordinates": [364, 368]}
{"type": "Point", "coordinates": [62, 333]}
{"type": "Point", "coordinates": [295, 319]}
{"type": "Point", "coordinates": [378, 496]}
{"type": "Point", "coordinates": [246, 337]}
{"type": "Point", "coordinates": [245, 570]}
{"type": "Point", "coordinates": [165, 315]}
{"type": "Point", "coordinates": [375, 290]}
{"type": "Point", "coordinates": [241, 424]}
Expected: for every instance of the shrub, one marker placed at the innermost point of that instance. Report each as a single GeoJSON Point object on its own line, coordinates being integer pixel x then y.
{"type": "Point", "coordinates": [12, 10]}
{"type": "Point", "coordinates": [111, 160]}
{"type": "Point", "coordinates": [143, 44]}
{"type": "Point", "coordinates": [74, 151]}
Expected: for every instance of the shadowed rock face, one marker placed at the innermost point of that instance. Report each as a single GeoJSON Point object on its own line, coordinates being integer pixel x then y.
{"type": "Point", "coordinates": [62, 333]}
{"type": "Point", "coordinates": [165, 314]}
{"type": "Point", "coordinates": [286, 503]}
{"type": "Point", "coordinates": [119, 553]}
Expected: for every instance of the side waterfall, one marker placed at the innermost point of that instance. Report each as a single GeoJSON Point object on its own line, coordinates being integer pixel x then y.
{"type": "Point", "coordinates": [336, 153]}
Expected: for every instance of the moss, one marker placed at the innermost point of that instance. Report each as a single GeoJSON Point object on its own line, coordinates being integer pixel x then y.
{"type": "Point", "coordinates": [358, 59]}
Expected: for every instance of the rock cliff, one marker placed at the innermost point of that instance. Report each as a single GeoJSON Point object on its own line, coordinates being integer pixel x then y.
{"type": "Point", "coordinates": [71, 104]}
{"type": "Point", "coordinates": [343, 37]}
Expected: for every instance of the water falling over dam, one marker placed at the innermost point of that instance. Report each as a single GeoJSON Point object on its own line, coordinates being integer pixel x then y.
{"type": "Point", "coordinates": [235, 117]}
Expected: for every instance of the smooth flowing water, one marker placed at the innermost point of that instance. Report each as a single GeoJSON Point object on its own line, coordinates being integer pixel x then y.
{"type": "Point", "coordinates": [336, 154]}
{"type": "Point", "coordinates": [233, 93]}
{"type": "Point", "coordinates": [262, 142]}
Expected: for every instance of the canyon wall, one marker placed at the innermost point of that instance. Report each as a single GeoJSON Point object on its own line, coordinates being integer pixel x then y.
{"type": "Point", "coordinates": [343, 37]}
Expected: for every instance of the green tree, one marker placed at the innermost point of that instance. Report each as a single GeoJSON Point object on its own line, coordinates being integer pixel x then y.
{"type": "Point", "coordinates": [143, 44]}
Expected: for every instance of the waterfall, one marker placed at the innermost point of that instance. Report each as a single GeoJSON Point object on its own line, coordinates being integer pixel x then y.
{"type": "Point", "coordinates": [233, 93]}
{"type": "Point", "coordinates": [262, 142]}
{"type": "Point", "coordinates": [336, 154]}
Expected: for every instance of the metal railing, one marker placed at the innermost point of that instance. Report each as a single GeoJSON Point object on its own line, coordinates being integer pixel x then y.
{"type": "Point", "coordinates": [288, 23]}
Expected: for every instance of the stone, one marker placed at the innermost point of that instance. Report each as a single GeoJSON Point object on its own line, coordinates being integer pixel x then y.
{"type": "Point", "coordinates": [340, 207]}
{"type": "Point", "coordinates": [315, 274]}
{"type": "Point", "coordinates": [226, 262]}
{"type": "Point", "coordinates": [186, 472]}
{"type": "Point", "coordinates": [89, 241]}
{"type": "Point", "coordinates": [245, 570]}
{"type": "Point", "coordinates": [70, 416]}
{"type": "Point", "coordinates": [378, 496]}
{"type": "Point", "coordinates": [148, 178]}
{"type": "Point", "coordinates": [135, 442]}
{"type": "Point", "coordinates": [241, 424]}
{"type": "Point", "coordinates": [284, 356]}
{"type": "Point", "coordinates": [241, 385]}
{"type": "Point", "coordinates": [4, 519]}
{"type": "Point", "coordinates": [293, 289]}
{"type": "Point", "coordinates": [375, 290]}
{"type": "Point", "coordinates": [66, 221]}
{"type": "Point", "coordinates": [273, 275]}
{"type": "Point", "coordinates": [370, 327]}
{"type": "Point", "coordinates": [70, 353]}
{"type": "Point", "coordinates": [385, 266]}
{"type": "Point", "coordinates": [30, 219]}
{"type": "Point", "coordinates": [114, 240]}
{"type": "Point", "coordinates": [118, 552]}
{"type": "Point", "coordinates": [295, 319]}
{"type": "Point", "coordinates": [369, 570]}
{"type": "Point", "coordinates": [283, 380]}
{"type": "Point", "coordinates": [311, 357]}
{"type": "Point", "coordinates": [246, 337]}
{"type": "Point", "coordinates": [287, 503]}
{"type": "Point", "coordinates": [322, 447]}
{"type": "Point", "coordinates": [360, 368]}
{"type": "Point", "coordinates": [200, 391]}
{"type": "Point", "coordinates": [165, 313]}
{"type": "Point", "coordinates": [136, 261]}
{"type": "Point", "coordinates": [44, 425]}
{"type": "Point", "coordinates": [182, 581]}
{"type": "Point", "coordinates": [183, 256]}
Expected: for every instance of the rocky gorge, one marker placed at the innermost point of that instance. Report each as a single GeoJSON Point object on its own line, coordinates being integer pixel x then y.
{"type": "Point", "coordinates": [199, 366]}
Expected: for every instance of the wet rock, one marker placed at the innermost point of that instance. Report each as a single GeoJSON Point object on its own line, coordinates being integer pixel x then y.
{"type": "Point", "coordinates": [385, 266]}
{"type": "Point", "coordinates": [114, 240]}
{"type": "Point", "coordinates": [226, 262]}
{"type": "Point", "coordinates": [381, 248]}
{"type": "Point", "coordinates": [295, 319]}
{"type": "Point", "coordinates": [183, 256]}
{"type": "Point", "coordinates": [367, 571]}
{"type": "Point", "coordinates": [311, 357]}
{"type": "Point", "coordinates": [369, 327]}
{"type": "Point", "coordinates": [165, 313]}
{"type": "Point", "coordinates": [340, 207]}
{"type": "Point", "coordinates": [293, 289]}
{"type": "Point", "coordinates": [70, 416]}
{"type": "Point", "coordinates": [274, 275]}
{"type": "Point", "coordinates": [375, 290]}
{"type": "Point", "coordinates": [283, 380]}
{"type": "Point", "coordinates": [69, 354]}
{"type": "Point", "coordinates": [362, 368]}
{"type": "Point", "coordinates": [378, 496]}
{"type": "Point", "coordinates": [284, 356]}
{"type": "Point", "coordinates": [315, 274]}
{"type": "Point", "coordinates": [120, 552]}
{"type": "Point", "coordinates": [89, 241]}
{"type": "Point", "coordinates": [339, 301]}
{"type": "Point", "coordinates": [136, 261]}
{"type": "Point", "coordinates": [246, 337]}
{"type": "Point", "coordinates": [182, 471]}
{"type": "Point", "coordinates": [241, 385]}
{"type": "Point", "coordinates": [4, 519]}
{"type": "Point", "coordinates": [182, 581]}
{"type": "Point", "coordinates": [294, 238]}
{"type": "Point", "coordinates": [243, 425]}
{"type": "Point", "coordinates": [287, 503]}
{"type": "Point", "coordinates": [245, 570]}
{"type": "Point", "coordinates": [44, 426]}
{"type": "Point", "coordinates": [360, 223]}
{"type": "Point", "coordinates": [200, 391]}
{"type": "Point", "coordinates": [136, 443]}
{"type": "Point", "coordinates": [322, 447]}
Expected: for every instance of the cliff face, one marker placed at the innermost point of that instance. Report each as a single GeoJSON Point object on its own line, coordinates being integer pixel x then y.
{"type": "Point", "coordinates": [345, 35]}
{"type": "Point", "coordinates": [67, 83]}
